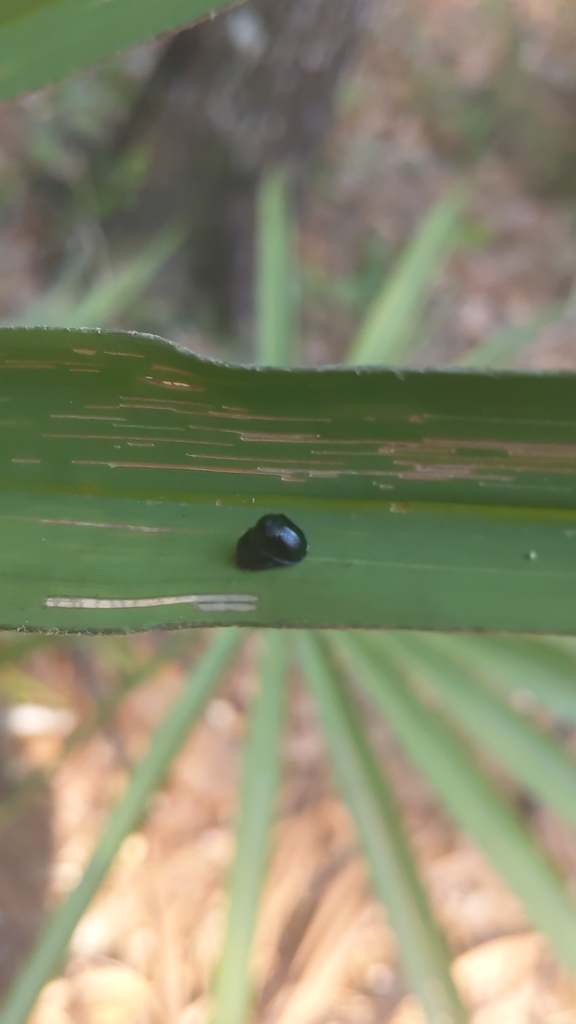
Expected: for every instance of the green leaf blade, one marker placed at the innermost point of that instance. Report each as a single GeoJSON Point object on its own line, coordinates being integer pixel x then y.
{"type": "Point", "coordinates": [373, 809]}
{"type": "Point", "coordinates": [129, 469]}
{"type": "Point", "coordinates": [108, 296]}
{"type": "Point", "coordinates": [43, 40]}
{"type": "Point", "coordinates": [529, 754]}
{"type": "Point", "coordinates": [469, 796]}
{"type": "Point", "coordinates": [525, 670]}
{"type": "Point", "coordinates": [502, 347]}
{"type": "Point", "coordinates": [232, 989]}
{"type": "Point", "coordinates": [275, 265]}
{"type": "Point", "coordinates": [391, 321]}
{"type": "Point", "coordinates": [147, 776]}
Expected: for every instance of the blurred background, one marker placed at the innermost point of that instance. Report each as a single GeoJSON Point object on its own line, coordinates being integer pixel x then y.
{"type": "Point", "coordinates": [127, 198]}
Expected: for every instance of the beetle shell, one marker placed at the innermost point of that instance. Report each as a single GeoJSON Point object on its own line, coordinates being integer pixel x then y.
{"type": "Point", "coordinates": [273, 542]}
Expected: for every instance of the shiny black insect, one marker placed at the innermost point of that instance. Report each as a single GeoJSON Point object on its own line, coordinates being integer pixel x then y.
{"type": "Point", "coordinates": [274, 541]}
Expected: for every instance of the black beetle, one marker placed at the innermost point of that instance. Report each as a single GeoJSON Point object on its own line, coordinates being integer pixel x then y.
{"type": "Point", "coordinates": [274, 541]}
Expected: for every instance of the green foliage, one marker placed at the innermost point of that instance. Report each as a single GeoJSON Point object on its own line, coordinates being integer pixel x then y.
{"type": "Point", "coordinates": [474, 527]}
{"type": "Point", "coordinates": [232, 990]}
{"type": "Point", "coordinates": [43, 40]}
{"type": "Point", "coordinates": [393, 317]}
{"type": "Point", "coordinates": [528, 672]}
{"type": "Point", "coordinates": [380, 832]}
{"type": "Point", "coordinates": [468, 793]}
{"type": "Point", "coordinates": [528, 753]}
{"type": "Point", "coordinates": [276, 337]}
{"type": "Point", "coordinates": [502, 347]}
{"type": "Point", "coordinates": [369, 558]}
{"type": "Point", "coordinates": [115, 291]}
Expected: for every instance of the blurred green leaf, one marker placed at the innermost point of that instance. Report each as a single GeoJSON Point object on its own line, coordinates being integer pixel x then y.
{"type": "Point", "coordinates": [147, 776]}
{"type": "Point", "coordinates": [392, 319]}
{"type": "Point", "coordinates": [527, 670]}
{"type": "Point", "coordinates": [43, 40]}
{"type": "Point", "coordinates": [232, 990]}
{"type": "Point", "coordinates": [501, 347]}
{"type": "Point", "coordinates": [529, 754]}
{"type": "Point", "coordinates": [108, 297]}
{"type": "Point", "coordinates": [372, 806]}
{"type": "Point", "coordinates": [275, 274]}
{"type": "Point", "coordinates": [469, 795]}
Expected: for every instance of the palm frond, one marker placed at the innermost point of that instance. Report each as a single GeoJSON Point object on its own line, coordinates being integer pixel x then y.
{"type": "Point", "coordinates": [276, 274]}
{"type": "Point", "coordinates": [232, 990]}
{"type": "Point", "coordinates": [379, 829]}
{"type": "Point", "coordinates": [468, 794]}
{"type": "Point", "coordinates": [392, 319]}
{"type": "Point", "coordinates": [531, 756]}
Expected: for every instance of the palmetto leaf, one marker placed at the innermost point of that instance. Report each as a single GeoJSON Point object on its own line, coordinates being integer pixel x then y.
{"type": "Point", "coordinates": [43, 40]}
{"type": "Point", "coordinates": [108, 296]}
{"type": "Point", "coordinates": [530, 755]}
{"type": "Point", "coordinates": [502, 346]}
{"type": "Point", "coordinates": [391, 321]}
{"type": "Point", "coordinates": [129, 469]}
{"type": "Point", "coordinates": [373, 809]}
{"type": "Point", "coordinates": [525, 670]}
{"type": "Point", "coordinates": [258, 791]}
{"type": "Point", "coordinates": [276, 334]}
{"type": "Point", "coordinates": [468, 794]}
